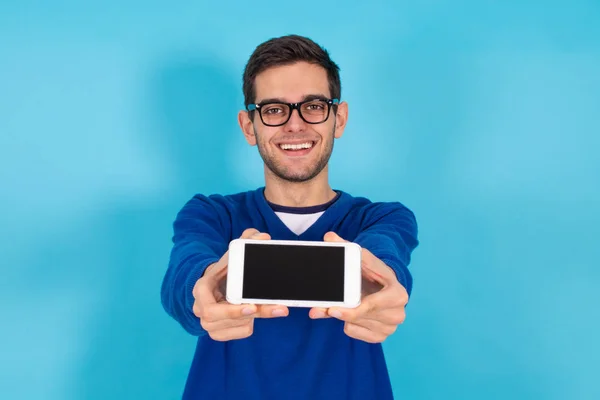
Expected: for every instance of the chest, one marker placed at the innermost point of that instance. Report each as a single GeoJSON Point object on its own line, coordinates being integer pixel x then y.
{"type": "Point", "coordinates": [311, 227]}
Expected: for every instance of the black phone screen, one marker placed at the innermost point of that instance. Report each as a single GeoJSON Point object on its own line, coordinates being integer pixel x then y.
{"type": "Point", "coordinates": [293, 272]}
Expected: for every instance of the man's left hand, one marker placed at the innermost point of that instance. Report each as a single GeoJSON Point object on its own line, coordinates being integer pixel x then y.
{"type": "Point", "coordinates": [382, 305]}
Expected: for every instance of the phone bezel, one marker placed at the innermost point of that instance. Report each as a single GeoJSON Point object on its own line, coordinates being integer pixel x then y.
{"type": "Point", "coordinates": [352, 274]}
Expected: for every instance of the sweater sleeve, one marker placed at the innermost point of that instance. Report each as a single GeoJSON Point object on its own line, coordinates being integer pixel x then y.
{"type": "Point", "coordinates": [389, 231]}
{"type": "Point", "coordinates": [200, 238]}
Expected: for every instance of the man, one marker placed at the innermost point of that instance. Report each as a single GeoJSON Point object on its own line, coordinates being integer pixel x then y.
{"type": "Point", "coordinates": [293, 115]}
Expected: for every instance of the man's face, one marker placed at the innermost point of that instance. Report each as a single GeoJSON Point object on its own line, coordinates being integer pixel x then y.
{"type": "Point", "coordinates": [296, 151]}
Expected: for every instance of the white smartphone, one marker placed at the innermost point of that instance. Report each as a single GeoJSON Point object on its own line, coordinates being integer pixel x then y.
{"type": "Point", "coordinates": [294, 273]}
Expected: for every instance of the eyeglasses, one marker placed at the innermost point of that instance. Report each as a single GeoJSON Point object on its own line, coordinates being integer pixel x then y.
{"type": "Point", "coordinates": [313, 111]}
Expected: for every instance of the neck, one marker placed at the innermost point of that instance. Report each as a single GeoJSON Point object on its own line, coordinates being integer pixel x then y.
{"type": "Point", "coordinates": [298, 194]}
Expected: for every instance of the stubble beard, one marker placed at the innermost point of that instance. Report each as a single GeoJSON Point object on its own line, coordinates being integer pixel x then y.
{"type": "Point", "coordinates": [295, 176]}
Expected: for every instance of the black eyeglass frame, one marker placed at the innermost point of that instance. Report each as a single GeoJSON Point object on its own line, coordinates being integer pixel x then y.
{"type": "Point", "coordinates": [294, 106]}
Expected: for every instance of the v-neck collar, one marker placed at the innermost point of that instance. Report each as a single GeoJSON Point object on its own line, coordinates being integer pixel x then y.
{"type": "Point", "coordinates": [315, 231]}
{"type": "Point", "coordinates": [304, 210]}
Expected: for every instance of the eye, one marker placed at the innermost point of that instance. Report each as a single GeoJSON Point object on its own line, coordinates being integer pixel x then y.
{"type": "Point", "coordinates": [315, 106]}
{"type": "Point", "coordinates": [273, 109]}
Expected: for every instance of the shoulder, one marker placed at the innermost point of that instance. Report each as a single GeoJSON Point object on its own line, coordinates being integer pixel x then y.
{"type": "Point", "coordinates": [370, 212]}
{"type": "Point", "coordinates": [219, 208]}
{"type": "Point", "coordinates": [211, 211]}
{"type": "Point", "coordinates": [217, 202]}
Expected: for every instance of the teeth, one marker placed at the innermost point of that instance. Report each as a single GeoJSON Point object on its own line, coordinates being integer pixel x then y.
{"type": "Point", "coordinates": [306, 145]}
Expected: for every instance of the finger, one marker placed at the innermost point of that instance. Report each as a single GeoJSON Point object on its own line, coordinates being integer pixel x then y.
{"type": "Point", "coordinates": [248, 233]}
{"type": "Point", "coordinates": [272, 311]}
{"type": "Point", "coordinates": [386, 298]}
{"type": "Point", "coordinates": [362, 333]}
{"type": "Point", "coordinates": [348, 314]}
{"type": "Point", "coordinates": [375, 269]}
{"type": "Point", "coordinates": [223, 311]}
{"type": "Point", "coordinates": [333, 237]}
{"type": "Point", "coordinates": [369, 286]}
{"type": "Point", "coordinates": [252, 233]}
{"type": "Point", "coordinates": [318, 313]}
{"type": "Point", "coordinates": [235, 333]}
{"type": "Point", "coordinates": [203, 296]}
{"type": "Point", "coordinates": [375, 326]}
{"type": "Point", "coordinates": [225, 324]}
{"type": "Point", "coordinates": [218, 270]}
{"type": "Point", "coordinates": [393, 316]}
{"type": "Point", "coordinates": [367, 306]}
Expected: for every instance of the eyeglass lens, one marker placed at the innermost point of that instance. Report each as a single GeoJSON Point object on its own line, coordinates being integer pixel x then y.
{"type": "Point", "coordinates": [314, 112]}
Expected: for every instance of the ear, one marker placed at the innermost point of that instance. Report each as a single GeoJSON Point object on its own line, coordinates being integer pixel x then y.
{"type": "Point", "coordinates": [341, 117]}
{"type": "Point", "coordinates": [247, 127]}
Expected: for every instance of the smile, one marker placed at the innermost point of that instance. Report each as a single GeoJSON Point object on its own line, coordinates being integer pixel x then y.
{"type": "Point", "coordinates": [299, 146]}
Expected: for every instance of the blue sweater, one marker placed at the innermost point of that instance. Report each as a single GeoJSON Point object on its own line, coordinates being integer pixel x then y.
{"type": "Point", "coordinates": [292, 357]}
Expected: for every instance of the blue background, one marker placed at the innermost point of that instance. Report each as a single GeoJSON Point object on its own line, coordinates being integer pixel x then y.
{"type": "Point", "coordinates": [481, 116]}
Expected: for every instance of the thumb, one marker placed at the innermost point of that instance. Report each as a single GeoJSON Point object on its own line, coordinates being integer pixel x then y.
{"type": "Point", "coordinates": [333, 237]}
{"type": "Point", "coordinates": [218, 270]}
{"type": "Point", "coordinates": [252, 233]}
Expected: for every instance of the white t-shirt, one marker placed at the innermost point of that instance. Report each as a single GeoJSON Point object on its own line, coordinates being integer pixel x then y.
{"type": "Point", "coordinates": [298, 223]}
{"type": "Point", "coordinates": [299, 219]}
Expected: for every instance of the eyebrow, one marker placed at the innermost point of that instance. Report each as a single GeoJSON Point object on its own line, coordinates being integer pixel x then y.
{"type": "Point", "coordinates": [308, 97]}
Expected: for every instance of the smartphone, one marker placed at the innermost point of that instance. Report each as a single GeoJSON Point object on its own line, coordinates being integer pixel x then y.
{"type": "Point", "coordinates": [294, 273]}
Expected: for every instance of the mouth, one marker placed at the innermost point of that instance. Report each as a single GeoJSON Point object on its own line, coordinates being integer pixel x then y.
{"type": "Point", "coordinates": [297, 149]}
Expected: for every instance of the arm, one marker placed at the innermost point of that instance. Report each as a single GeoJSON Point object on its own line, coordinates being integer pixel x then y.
{"type": "Point", "coordinates": [388, 236]}
{"type": "Point", "coordinates": [390, 233]}
{"type": "Point", "coordinates": [200, 239]}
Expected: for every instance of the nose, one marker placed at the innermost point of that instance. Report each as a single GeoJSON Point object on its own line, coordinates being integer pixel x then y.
{"type": "Point", "coordinates": [295, 123]}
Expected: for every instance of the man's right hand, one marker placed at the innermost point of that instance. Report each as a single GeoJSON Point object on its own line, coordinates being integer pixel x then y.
{"type": "Point", "coordinates": [224, 321]}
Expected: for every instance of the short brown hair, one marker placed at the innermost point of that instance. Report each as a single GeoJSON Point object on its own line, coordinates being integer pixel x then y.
{"type": "Point", "coordinates": [287, 50]}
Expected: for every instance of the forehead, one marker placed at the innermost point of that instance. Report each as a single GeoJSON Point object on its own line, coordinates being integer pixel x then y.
{"type": "Point", "coordinates": [291, 82]}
